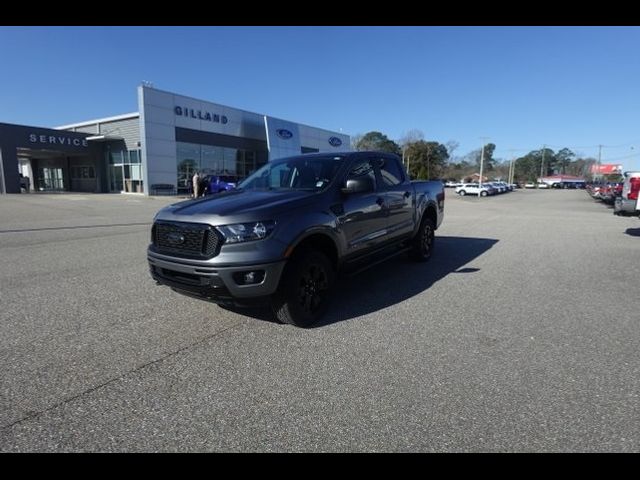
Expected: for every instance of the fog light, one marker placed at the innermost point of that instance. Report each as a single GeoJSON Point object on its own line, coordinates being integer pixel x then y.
{"type": "Point", "coordinates": [249, 278]}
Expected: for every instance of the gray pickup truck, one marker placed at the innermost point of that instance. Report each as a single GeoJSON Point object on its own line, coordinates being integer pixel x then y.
{"type": "Point", "coordinates": [288, 229]}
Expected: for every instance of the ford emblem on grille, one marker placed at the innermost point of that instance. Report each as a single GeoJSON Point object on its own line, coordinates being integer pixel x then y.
{"type": "Point", "coordinates": [175, 238]}
{"type": "Point", "coordinates": [335, 142]}
{"type": "Point", "coordinates": [284, 133]}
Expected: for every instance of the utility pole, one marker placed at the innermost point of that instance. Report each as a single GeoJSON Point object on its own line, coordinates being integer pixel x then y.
{"type": "Point", "coordinates": [512, 169]}
{"type": "Point", "coordinates": [481, 166]}
{"type": "Point", "coordinates": [600, 162]}
{"type": "Point", "coordinates": [544, 148]}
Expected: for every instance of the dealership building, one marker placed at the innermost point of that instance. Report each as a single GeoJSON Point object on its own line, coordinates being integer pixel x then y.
{"type": "Point", "coordinates": [155, 150]}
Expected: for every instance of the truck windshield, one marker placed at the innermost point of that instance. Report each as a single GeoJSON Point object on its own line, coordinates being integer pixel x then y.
{"type": "Point", "coordinates": [295, 173]}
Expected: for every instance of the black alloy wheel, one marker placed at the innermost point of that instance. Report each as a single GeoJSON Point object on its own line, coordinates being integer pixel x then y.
{"type": "Point", "coordinates": [305, 289]}
{"type": "Point", "coordinates": [424, 241]}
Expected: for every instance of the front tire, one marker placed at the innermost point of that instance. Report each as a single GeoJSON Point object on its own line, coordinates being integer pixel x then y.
{"type": "Point", "coordinates": [424, 241]}
{"type": "Point", "coordinates": [305, 288]}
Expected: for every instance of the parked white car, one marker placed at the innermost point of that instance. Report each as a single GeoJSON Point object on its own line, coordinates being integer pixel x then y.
{"type": "Point", "coordinates": [472, 189]}
{"type": "Point", "coordinates": [627, 201]}
{"type": "Point", "coordinates": [529, 185]}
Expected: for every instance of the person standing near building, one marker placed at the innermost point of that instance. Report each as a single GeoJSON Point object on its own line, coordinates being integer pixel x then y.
{"type": "Point", "coordinates": [196, 185]}
{"type": "Point", "coordinates": [25, 183]}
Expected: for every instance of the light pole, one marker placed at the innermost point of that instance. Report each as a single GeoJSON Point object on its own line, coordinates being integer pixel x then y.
{"type": "Point", "coordinates": [544, 148]}
{"type": "Point", "coordinates": [600, 176]}
{"type": "Point", "coordinates": [512, 169]}
{"type": "Point", "coordinates": [481, 166]}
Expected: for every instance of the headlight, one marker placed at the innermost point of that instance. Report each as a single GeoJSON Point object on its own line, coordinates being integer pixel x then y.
{"type": "Point", "coordinates": [246, 232]}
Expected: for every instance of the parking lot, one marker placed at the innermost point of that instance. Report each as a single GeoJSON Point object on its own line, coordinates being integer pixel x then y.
{"type": "Point", "coordinates": [522, 333]}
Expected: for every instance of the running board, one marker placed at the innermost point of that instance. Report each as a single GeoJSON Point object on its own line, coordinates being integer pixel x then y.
{"type": "Point", "coordinates": [377, 262]}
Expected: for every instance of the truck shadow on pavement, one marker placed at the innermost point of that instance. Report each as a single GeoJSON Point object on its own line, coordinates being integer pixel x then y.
{"type": "Point", "coordinates": [399, 279]}
{"type": "Point", "coordinates": [634, 232]}
{"type": "Point", "coordinates": [395, 280]}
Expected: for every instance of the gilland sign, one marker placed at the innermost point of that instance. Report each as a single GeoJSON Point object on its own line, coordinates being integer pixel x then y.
{"type": "Point", "coordinates": [58, 140]}
{"type": "Point", "coordinates": [200, 115]}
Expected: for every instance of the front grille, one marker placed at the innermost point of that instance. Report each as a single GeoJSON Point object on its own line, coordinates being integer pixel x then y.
{"type": "Point", "coordinates": [192, 240]}
{"type": "Point", "coordinates": [212, 241]}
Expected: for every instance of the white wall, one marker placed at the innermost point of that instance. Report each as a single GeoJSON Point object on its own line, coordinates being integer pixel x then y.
{"type": "Point", "coordinates": [319, 138]}
{"type": "Point", "coordinates": [283, 138]}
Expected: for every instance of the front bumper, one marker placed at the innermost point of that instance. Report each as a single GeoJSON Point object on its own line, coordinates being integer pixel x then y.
{"type": "Point", "coordinates": [217, 284]}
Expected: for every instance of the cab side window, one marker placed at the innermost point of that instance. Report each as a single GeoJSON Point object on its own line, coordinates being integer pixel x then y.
{"type": "Point", "coordinates": [390, 172]}
{"type": "Point", "coordinates": [362, 168]}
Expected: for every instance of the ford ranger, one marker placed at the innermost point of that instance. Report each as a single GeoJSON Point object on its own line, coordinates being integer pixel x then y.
{"type": "Point", "coordinates": [288, 229]}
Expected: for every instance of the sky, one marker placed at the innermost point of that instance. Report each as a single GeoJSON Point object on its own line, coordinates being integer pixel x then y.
{"type": "Point", "coordinates": [517, 87]}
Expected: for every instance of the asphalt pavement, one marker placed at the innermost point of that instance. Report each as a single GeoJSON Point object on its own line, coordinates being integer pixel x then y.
{"type": "Point", "coordinates": [520, 334]}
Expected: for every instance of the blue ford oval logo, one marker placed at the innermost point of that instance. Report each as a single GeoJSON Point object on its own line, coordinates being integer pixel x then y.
{"type": "Point", "coordinates": [284, 133]}
{"type": "Point", "coordinates": [335, 142]}
{"type": "Point", "coordinates": [175, 238]}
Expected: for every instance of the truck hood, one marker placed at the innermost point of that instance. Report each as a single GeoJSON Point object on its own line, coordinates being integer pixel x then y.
{"type": "Point", "coordinates": [255, 203]}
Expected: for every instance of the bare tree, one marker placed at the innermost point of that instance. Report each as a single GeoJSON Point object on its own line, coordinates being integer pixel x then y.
{"type": "Point", "coordinates": [409, 138]}
{"type": "Point", "coordinates": [451, 145]}
{"type": "Point", "coordinates": [412, 136]}
{"type": "Point", "coordinates": [355, 140]}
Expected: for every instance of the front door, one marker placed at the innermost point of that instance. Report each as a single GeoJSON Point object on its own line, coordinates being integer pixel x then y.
{"type": "Point", "coordinates": [398, 193]}
{"type": "Point", "coordinates": [51, 179]}
{"type": "Point", "coordinates": [364, 219]}
{"type": "Point", "coordinates": [116, 178]}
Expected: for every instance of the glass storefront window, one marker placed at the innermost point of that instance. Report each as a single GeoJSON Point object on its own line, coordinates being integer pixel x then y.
{"type": "Point", "coordinates": [116, 157]}
{"type": "Point", "coordinates": [211, 160]}
{"type": "Point", "coordinates": [136, 172]}
{"type": "Point", "coordinates": [230, 165]}
{"type": "Point", "coordinates": [246, 163]}
{"type": "Point", "coordinates": [83, 172]}
{"type": "Point", "coordinates": [134, 156]}
{"type": "Point", "coordinates": [125, 171]}
{"type": "Point", "coordinates": [188, 157]}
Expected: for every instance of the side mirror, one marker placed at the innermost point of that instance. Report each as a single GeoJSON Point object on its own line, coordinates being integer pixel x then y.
{"type": "Point", "coordinates": [358, 185]}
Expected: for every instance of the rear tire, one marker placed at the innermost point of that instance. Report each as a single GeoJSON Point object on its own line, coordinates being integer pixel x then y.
{"type": "Point", "coordinates": [305, 288]}
{"type": "Point", "coordinates": [424, 241]}
{"type": "Point", "coordinates": [462, 193]}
